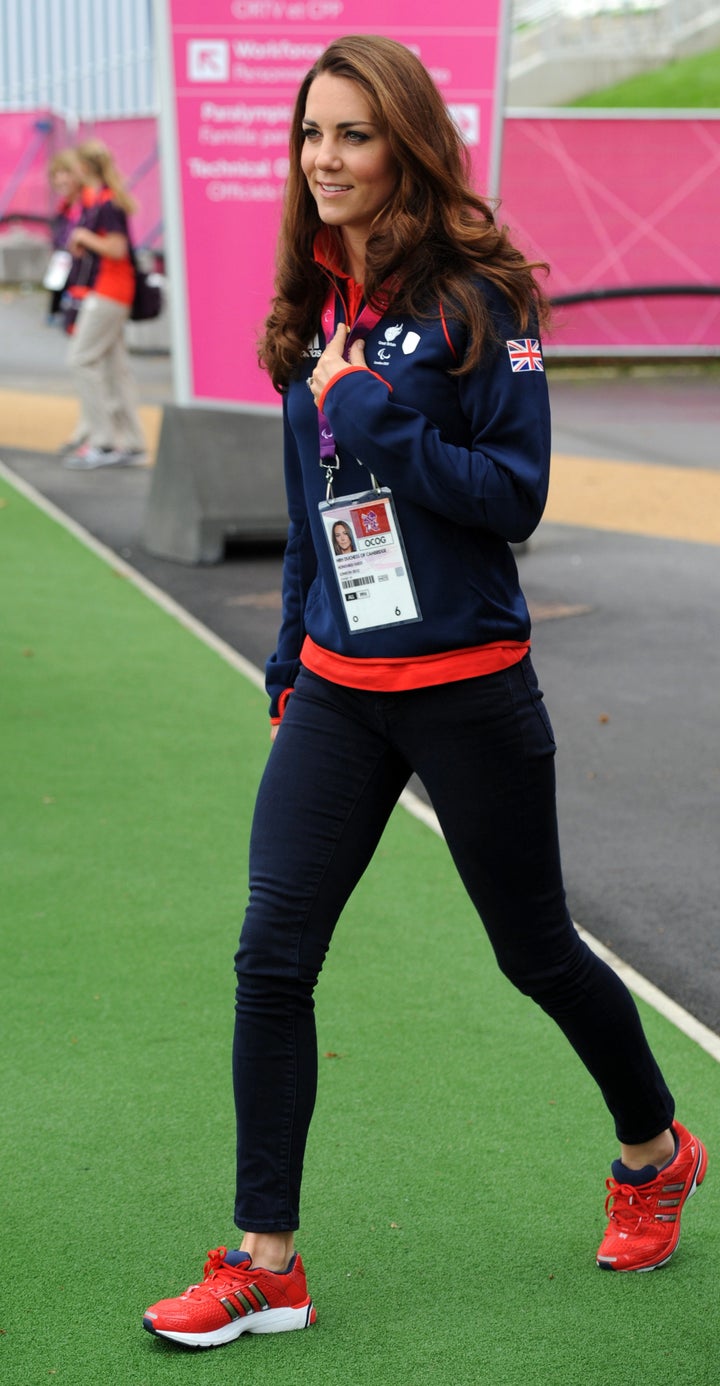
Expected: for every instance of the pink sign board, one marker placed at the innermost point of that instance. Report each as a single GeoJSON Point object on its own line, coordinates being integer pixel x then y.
{"type": "Point", "coordinates": [234, 71]}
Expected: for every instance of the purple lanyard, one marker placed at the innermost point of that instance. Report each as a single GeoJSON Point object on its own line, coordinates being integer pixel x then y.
{"type": "Point", "coordinates": [364, 323]}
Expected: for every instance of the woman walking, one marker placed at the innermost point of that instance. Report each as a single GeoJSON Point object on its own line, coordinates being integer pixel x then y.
{"type": "Point", "coordinates": [423, 428]}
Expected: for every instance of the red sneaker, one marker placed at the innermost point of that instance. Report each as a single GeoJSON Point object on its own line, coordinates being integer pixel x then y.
{"type": "Point", "coordinates": [235, 1297]}
{"type": "Point", "coordinates": [644, 1227]}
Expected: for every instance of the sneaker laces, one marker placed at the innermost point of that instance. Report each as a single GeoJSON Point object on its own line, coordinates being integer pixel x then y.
{"type": "Point", "coordinates": [624, 1203]}
{"type": "Point", "coordinates": [217, 1270]}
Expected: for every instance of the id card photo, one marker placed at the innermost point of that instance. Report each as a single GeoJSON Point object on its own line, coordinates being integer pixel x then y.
{"type": "Point", "coordinates": [371, 568]}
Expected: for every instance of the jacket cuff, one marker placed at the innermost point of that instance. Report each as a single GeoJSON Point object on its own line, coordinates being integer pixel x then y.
{"type": "Point", "coordinates": [277, 713]}
{"type": "Point", "coordinates": [349, 370]}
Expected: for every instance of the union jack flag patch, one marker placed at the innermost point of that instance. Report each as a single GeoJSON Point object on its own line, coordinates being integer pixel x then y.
{"type": "Point", "coordinates": [525, 355]}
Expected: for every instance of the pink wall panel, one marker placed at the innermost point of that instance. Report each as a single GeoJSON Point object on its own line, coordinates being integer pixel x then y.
{"type": "Point", "coordinates": [28, 139]}
{"type": "Point", "coordinates": [618, 203]}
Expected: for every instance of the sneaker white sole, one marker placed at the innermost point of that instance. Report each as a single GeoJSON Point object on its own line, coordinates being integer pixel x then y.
{"type": "Point", "coordinates": [264, 1321]}
{"type": "Point", "coordinates": [88, 464]}
{"type": "Point", "coordinates": [608, 1262]}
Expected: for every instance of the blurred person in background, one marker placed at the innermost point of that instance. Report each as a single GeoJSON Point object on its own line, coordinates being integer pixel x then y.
{"type": "Point", "coordinates": [101, 288]}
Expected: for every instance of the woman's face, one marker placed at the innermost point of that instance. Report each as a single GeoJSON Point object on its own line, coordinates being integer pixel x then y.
{"type": "Point", "coordinates": [346, 158]}
{"type": "Point", "coordinates": [342, 539]}
{"type": "Point", "coordinates": [66, 184]}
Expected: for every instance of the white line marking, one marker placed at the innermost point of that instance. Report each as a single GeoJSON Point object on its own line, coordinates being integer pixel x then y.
{"type": "Point", "coordinates": [647, 991]}
{"type": "Point", "coordinates": [682, 1020]}
{"type": "Point", "coordinates": [150, 590]}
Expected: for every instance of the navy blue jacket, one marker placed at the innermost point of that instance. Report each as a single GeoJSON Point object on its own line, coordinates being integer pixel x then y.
{"type": "Point", "coordinates": [467, 459]}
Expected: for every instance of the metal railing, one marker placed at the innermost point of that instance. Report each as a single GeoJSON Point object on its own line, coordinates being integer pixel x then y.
{"type": "Point", "coordinates": [635, 291]}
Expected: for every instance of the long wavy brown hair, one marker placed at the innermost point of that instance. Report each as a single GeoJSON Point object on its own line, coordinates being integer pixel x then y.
{"type": "Point", "coordinates": [436, 232]}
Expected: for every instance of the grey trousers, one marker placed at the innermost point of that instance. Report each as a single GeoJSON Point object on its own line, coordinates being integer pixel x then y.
{"type": "Point", "coordinates": [99, 362]}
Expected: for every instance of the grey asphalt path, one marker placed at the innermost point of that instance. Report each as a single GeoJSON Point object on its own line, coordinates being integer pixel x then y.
{"type": "Point", "coordinates": [632, 678]}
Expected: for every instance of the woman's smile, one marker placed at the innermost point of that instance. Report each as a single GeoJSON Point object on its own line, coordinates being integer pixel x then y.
{"type": "Point", "coordinates": [332, 189]}
{"type": "Point", "coordinates": [346, 158]}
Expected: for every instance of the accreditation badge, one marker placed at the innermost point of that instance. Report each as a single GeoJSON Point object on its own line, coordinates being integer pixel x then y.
{"type": "Point", "coordinates": [373, 577]}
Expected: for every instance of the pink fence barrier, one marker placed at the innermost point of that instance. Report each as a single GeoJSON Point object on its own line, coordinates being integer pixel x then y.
{"type": "Point", "coordinates": [28, 139]}
{"type": "Point", "coordinates": [612, 203]}
{"type": "Point", "coordinates": [616, 204]}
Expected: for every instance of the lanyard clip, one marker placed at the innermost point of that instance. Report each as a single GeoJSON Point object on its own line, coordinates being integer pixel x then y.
{"type": "Point", "coordinates": [330, 467]}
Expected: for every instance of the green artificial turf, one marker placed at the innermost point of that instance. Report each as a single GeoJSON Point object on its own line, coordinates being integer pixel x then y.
{"type": "Point", "coordinates": [454, 1180]}
{"type": "Point", "coordinates": [686, 83]}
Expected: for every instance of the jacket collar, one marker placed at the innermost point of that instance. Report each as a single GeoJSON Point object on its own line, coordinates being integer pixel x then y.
{"type": "Point", "coordinates": [327, 253]}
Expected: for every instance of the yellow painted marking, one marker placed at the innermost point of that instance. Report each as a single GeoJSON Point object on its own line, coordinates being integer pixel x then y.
{"type": "Point", "coordinates": [554, 611]}
{"type": "Point", "coordinates": [42, 423]}
{"type": "Point", "coordinates": [635, 498]}
{"type": "Point", "coordinates": [641, 498]}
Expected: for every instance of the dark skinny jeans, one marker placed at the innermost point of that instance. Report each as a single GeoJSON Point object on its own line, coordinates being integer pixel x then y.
{"type": "Point", "coordinates": [484, 750]}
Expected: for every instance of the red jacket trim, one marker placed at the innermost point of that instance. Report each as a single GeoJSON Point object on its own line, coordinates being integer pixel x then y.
{"type": "Point", "coordinates": [401, 675]}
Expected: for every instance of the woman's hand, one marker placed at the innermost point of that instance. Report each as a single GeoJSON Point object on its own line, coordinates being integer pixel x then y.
{"type": "Point", "coordinates": [114, 246]}
{"type": "Point", "coordinates": [76, 242]}
{"type": "Point", "coordinates": [332, 362]}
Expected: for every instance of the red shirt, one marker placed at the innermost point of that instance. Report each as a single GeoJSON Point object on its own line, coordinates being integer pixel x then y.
{"type": "Point", "coordinates": [113, 279]}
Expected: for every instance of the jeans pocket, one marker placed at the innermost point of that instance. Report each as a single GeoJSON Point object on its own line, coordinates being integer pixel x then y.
{"type": "Point", "coordinates": [529, 677]}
